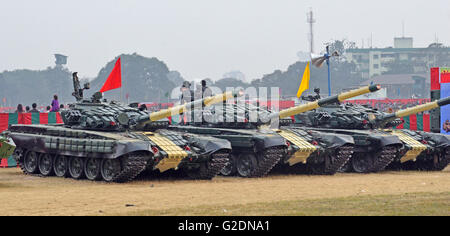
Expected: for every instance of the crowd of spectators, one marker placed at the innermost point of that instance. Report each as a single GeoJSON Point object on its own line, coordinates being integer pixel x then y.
{"type": "Point", "coordinates": [54, 107]}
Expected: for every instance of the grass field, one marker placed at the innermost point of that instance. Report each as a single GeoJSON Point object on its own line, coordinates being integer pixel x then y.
{"type": "Point", "coordinates": [388, 193]}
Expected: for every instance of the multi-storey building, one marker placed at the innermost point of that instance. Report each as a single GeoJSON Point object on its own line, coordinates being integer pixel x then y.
{"type": "Point", "coordinates": [402, 58]}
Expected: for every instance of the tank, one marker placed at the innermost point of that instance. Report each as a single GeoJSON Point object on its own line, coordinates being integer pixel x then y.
{"type": "Point", "coordinates": [257, 147]}
{"type": "Point", "coordinates": [109, 141]}
{"type": "Point", "coordinates": [7, 147]}
{"type": "Point", "coordinates": [422, 150]}
{"type": "Point", "coordinates": [377, 146]}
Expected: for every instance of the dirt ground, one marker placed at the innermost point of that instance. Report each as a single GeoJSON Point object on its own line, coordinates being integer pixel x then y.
{"type": "Point", "coordinates": [27, 195]}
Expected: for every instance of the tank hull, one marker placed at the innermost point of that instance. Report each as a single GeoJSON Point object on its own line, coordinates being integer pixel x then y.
{"type": "Point", "coordinates": [254, 152]}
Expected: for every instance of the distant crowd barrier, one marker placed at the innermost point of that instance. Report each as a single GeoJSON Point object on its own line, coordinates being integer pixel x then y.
{"type": "Point", "coordinates": [25, 118]}
{"type": "Point", "coordinates": [416, 122]}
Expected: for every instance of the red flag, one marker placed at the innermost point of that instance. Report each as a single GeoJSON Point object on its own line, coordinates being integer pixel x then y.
{"type": "Point", "coordinates": [114, 79]}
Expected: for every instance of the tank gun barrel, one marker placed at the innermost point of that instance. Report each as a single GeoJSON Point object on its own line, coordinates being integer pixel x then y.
{"type": "Point", "coordinates": [208, 101]}
{"type": "Point", "coordinates": [414, 110]}
{"type": "Point", "coordinates": [325, 101]}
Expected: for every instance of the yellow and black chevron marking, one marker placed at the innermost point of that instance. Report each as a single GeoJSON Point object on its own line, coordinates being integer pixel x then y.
{"type": "Point", "coordinates": [306, 149]}
{"type": "Point", "coordinates": [175, 153]}
{"type": "Point", "coordinates": [416, 147]}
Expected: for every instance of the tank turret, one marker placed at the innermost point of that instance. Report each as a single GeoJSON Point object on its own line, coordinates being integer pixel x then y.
{"type": "Point", "coordinates": [386, 119]}
{"type": "Point", "coordinates": [325, 101]}
{"type": "Point", "coordinates": [205, 102]}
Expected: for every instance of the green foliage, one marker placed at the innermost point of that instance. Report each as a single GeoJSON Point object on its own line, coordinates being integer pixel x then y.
{"type": "Point", "coordinates": [27, 86]}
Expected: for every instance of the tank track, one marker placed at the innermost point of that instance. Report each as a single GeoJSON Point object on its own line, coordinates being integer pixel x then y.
{"type": "Point", "coordinates": [341, 157]}
{"type": "Point", "coordinates": [19, 154]}
{"type": "Point", "coordinates": [132, 166]}
{"type": "Point", "coordinates": [432, 166]}
{"type": "Point", "coordinates": [422, 165]}
{"type": "Point", "coordinates": [269, 159]}
{"type": "Point", "coordinates": [213, 167]}
{"type": "Point", "coordinates": [446, 162]}
{"type": "Point", "coordinates": [386, 157]}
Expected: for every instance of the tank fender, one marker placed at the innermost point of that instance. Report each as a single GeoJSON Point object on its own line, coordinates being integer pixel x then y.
{"type": "Point", "coordinates": [125, 147]}
{"type": "Point", "coordinates": [387, 140]}
{"type": "Point", "coordinates": [441, 140]}
{"type": "Point", "coordinates": [32, 142]}
{"type": "Point", "coordinates": [268, 141]}
{"type": "Point", "coordinates": [335, 140]}
{"type": "Point", "coordinates": [208, 144]}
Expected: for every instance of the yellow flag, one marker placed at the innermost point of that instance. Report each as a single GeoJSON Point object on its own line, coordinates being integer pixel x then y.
{"type": "Point", "coordinates": [305, 81]}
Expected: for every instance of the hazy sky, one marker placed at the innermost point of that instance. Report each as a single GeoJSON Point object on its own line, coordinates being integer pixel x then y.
{"type": "Point", "coordinates": [203, 38]}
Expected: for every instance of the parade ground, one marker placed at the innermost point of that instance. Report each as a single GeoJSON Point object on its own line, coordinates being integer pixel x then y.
{"type": "Point", "coordinates": [386, 193]}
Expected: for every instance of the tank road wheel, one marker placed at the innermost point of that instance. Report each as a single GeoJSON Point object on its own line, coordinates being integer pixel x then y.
{"type": "Point", "coordinates": [60, 166]}
{"type": "Point", "coordinates": [110, 168]}
{"type": "Point", "coordinates": [76, 167]}
{"type": "Point", "coordinates": [210, 169]}
{"type": "Point", "coordinates": [46, 164]}
{"type": "Point", "coordinates": [245, 164]}
{"type": "Point", "coordinates": [92, 169]}
{"type": "Point", "coordinates": [230, 169]}
{"type": "Point", "coordinates": [439, 162]}
{"type": "Point", "coordinates": [362, 163]}
{"type": "Point", "coordinates": [31, 162]}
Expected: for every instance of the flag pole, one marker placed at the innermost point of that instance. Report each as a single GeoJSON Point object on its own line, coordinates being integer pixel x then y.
{"type": "Point", "coordinates": [121, 87]}
{"type": "Point", "coordinates": [329, 72]}
{"type": "Point", "coordinates": [121, 94]}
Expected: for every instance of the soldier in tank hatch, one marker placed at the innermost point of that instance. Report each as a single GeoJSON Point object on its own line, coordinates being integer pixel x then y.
{"type": "Point", "coordinates": [187, 95]}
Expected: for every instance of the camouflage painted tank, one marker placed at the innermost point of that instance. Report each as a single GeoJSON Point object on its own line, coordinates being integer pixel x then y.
{"type": "Point", "coordinates": [7, 147]}
{"type": "Point", "coordinates": [115, 143]}
{"type": "Point", "coordinates": [422, 150]}
{"type": "Point", "coordinates": [245, 125]}
{"type": "Point", "coordinates": [376, 145]}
